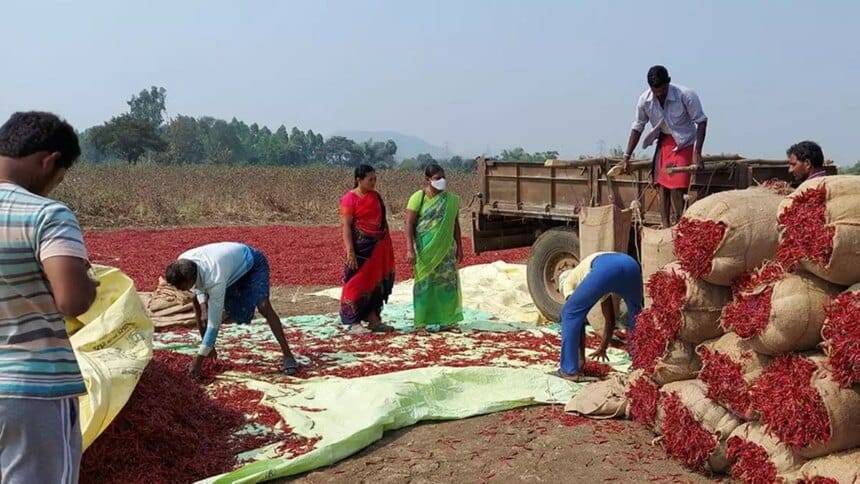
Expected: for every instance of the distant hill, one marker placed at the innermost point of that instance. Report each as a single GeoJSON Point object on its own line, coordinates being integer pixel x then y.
{"type": "Point", "coordinates": [407, 146]}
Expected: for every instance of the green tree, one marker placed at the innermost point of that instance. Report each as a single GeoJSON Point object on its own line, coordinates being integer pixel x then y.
{"type": "Point", "coordinates": [519, 154]}
{"type": "Point", "coordinates": [338, 151]}
{"type": "Point", "coordinates": [127, 137]}
{"type": "Point", "coordinates": [184, 141]}
{"type": "Point", "coordinates": [149, 106]}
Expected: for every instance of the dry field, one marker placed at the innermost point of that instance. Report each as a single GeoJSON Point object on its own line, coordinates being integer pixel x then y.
{"type": "Point", "coordinates": [113, 196]}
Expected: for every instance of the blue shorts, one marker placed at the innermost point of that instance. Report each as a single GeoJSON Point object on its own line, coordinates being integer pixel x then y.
{"type": "Point", "coordinates": [243, 297]}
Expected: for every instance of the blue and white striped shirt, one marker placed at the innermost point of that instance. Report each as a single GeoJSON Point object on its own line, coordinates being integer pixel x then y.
{"type": "Point", "coordinates": [36, 358]}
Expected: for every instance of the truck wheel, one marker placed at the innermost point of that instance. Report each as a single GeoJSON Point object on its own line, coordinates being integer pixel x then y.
{"type": "Point", "coordinates": [554, 252]}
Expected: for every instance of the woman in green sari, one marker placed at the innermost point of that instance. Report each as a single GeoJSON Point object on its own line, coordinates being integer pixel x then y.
{"type": "Point", "coordinates": [435, 248]}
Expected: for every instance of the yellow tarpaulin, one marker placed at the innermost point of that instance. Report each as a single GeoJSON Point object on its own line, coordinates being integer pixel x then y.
{"type": "Point", "coordinates": [499, 289]}
{"type": "Point", "coordinates": [113, 344]}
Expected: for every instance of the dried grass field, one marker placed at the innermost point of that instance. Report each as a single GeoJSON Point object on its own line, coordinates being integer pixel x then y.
{"type": "Point", "coordinates": [137, 196]}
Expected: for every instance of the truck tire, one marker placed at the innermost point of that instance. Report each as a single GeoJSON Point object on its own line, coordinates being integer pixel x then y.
{"type": "Point", "coordinates": [555, 251]}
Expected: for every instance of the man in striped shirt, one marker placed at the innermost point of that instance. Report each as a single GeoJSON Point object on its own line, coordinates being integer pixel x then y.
{"type": "Point", "coordinates": [43, 277]}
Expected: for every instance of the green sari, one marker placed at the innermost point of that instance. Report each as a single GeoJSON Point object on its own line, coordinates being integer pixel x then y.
{"type": "Point", "coordinates": [437, 296]}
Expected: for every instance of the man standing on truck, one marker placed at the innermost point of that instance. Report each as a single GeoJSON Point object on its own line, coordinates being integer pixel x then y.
{"type": "Point", "coordinates": [678, 126]}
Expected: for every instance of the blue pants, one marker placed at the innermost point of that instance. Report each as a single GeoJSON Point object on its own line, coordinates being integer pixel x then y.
{"type": "Point", "coordinates": [610, 273]}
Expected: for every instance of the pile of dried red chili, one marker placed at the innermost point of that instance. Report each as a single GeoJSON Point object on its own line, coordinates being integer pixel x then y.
{"type": "Point", "coordinates": [724, 380]}
{"type": "Point", "coordinates": [644, 396]}
{"type": "Point", "coordinates": [293, 252]}
{"type": "Point", "coordinates": [749, 312]}
{"type": "Point", "coordinates": [659, 324]}
{"type": "Point", "coordinates": [841, 333]}
{"type": "Point", "coordinates": [789, 406]}
{"type": "Point", "coordinates": [804, 230]}
{"type": "Point", "coordinates": [751, 463]}
{"type": "Point", "coordinates": [683, 437]}
{"type": "Point", "coordinates": [172, 430]}
{"type": "Point", "coordinates": [696, 242]}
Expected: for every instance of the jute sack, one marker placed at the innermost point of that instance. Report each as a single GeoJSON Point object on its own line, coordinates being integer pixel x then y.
{"type": "Point", "coordinates": [843, 409]}
{"type": "Point", "coordinates": [838, 341]}
{"type": "Point", "coordinates": [712, 417]}
{"type": "Point", "coordinates": [843, 213]}
{"type": "Point", "coordinates": [603, 399]}
{"type": "Point", "coordinates": [843, 467]}
{"type": "Point", "coordinates": [751, 233]}
{"type": "Point", "coordinates": [750, 363]}
{"type": "Point", "coordinates": [168, 306]}
{"type": "Point", "coordinates": [603, 229]}
{"type": "Point", "coordinates": [796, 313]}
{"type": "Point", "coordinates": [657, 252]}
{"type": "Point", "coordinates": [786, 463]}
{"type": "Point", "coordinates": [680, 363]}
{"type": "Point", "coordinates": [703, 304]}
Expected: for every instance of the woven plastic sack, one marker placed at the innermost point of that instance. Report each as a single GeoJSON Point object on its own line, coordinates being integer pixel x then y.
{"type": "Point", "coordinates": [113, 345]}
{"type": "Point", "coordinates": [842, 212]}
{"type": "Point", "coordinates": [750, 238]}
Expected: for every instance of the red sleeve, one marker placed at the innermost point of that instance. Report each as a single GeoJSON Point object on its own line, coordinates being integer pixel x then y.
{"type": "Point", "coordinates": [347, 204]}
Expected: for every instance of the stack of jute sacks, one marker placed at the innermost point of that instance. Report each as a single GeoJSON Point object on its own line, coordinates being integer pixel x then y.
{"type": "Point", "coordinates": [747, 356]}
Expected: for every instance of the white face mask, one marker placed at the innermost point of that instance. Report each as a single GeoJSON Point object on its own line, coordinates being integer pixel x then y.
{"type": "Point", "coordinates": [440, 184]}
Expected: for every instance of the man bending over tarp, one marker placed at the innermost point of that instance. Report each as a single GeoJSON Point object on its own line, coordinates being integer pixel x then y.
{"type": "Point", "coordinates": [598, 275]}
{"type": "Point", "coordinates": [231, 276]}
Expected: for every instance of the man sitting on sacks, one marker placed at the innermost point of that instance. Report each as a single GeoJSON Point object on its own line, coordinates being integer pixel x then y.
{"type": "Point", "coordinates": [805, 161]}
{"type": "Point", "coordinates": [597, 275]}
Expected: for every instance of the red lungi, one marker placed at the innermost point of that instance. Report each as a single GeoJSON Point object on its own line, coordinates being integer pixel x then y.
{"type": "Point", "coordinates": [666, 157]}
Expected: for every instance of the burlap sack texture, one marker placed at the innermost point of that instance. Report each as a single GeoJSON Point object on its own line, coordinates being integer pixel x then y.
{"type": "Point", "coordinates": [604, 229]}
{"type": "Point", "coordinates": [739, 351]}
{"type": "Point", "coordinates": [710, 415]}
{"type": "Point", "coordinates": [750, 218]}
{"type": "Point", "coordinates": [657, 252]}
{"type": "Point", "coordinates": [843, 213]}
{"type": "Point", "coordinates": [703, 305]}
{"type": "Point", "coordinates": [796, 314]}
{"type": "Point", "coordinates": [843, 467]}
{"type": "Point", "coordinates": [786, 461]}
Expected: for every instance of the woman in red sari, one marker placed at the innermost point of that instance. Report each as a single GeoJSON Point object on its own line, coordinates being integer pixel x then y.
{"type": "Point", "coordinates": [369, 269]}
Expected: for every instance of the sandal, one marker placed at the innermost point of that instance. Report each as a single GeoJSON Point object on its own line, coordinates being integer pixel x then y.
{"type": "Point", "coordinates": [381, 328]}
{"type": "Point", "coordinates": [290, 366]}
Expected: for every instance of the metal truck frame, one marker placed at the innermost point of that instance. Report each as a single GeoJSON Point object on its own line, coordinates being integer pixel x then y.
{"type": "Point", "coordinates": [523, 204]}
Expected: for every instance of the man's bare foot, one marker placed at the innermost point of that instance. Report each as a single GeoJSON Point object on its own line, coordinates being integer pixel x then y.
{"type": "Point", "coordinates": [574, 377]}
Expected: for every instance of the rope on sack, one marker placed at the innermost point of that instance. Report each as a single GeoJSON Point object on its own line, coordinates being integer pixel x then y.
{"type": "Point", "coordinates": [638, 223]}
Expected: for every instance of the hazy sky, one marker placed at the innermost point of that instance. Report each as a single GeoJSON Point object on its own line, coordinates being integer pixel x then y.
{"type": "Point", "coordinates": [473, 74]}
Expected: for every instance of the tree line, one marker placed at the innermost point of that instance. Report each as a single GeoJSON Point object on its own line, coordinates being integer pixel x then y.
{"type": "Point", "coordinates": [144, 134]}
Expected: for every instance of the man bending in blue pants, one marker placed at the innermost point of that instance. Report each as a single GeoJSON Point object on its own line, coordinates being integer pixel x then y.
{"type": "Point", "coordinates": [596, 276]}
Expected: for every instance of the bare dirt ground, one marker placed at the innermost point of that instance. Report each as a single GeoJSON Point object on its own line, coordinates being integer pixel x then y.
{"type": "Point", "coordinates": [536, 444]}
